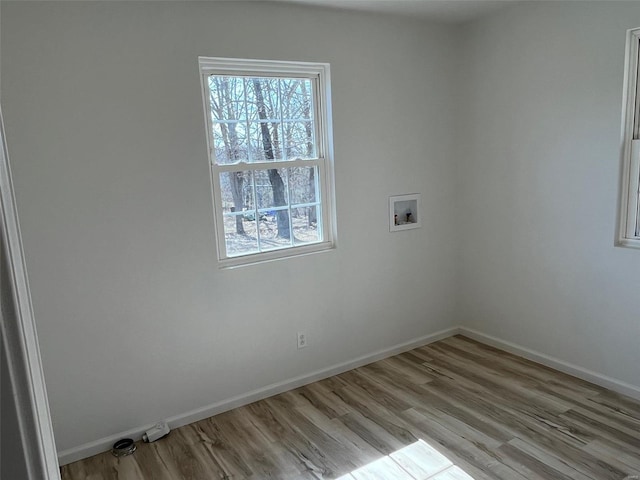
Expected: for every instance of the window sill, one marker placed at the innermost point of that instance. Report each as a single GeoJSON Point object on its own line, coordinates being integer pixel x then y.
{"type": "Point", "coordinates": [258, 258]}
{"type": "Point", "coordinates": [628, 242]}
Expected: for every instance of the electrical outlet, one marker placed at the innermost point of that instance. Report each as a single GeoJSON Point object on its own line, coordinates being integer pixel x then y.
{"type": "Point", "coordinates": [302, 339]}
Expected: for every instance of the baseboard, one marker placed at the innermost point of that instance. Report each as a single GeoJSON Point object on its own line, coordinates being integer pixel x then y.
{"type": "Point", "coordinates": [105, 443]}
{"type": "Point", "coordinates": [555, 363]}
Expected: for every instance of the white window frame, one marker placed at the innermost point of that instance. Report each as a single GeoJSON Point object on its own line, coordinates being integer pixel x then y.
{"type": "Point", "coordinates": [319, 73]}
{"type": "Point", "coordinates": [629, 208]}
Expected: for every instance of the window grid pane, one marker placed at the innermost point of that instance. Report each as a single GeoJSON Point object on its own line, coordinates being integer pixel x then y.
{"type": "Point", "coordinates": [235, 243]}
{"type": "Point", "coordinates": [258, 119]}
{"type": "Point", "coordinates": [306, 229]}
{"type": "Point", "coordinates": [257, 220]}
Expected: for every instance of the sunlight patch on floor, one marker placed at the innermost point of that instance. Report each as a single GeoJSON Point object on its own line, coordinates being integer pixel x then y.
{"type": "Point", "coordinates": [418, 461]}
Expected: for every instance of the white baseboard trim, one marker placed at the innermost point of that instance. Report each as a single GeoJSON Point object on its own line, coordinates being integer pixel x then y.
{"type": "Point", "coordinates": [104, 444]}
{"type": "Point", "coordinates": [599, 379]}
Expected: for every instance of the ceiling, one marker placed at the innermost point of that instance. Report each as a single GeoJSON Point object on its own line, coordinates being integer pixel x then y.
{"type": "Point", "coordinates": [450, 11]}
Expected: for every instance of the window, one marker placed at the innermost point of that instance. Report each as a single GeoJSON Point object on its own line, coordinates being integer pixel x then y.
{"type": "Point", "coordinates": [629, 221]}
{"type": "Point", "coordinates": [269, 141]}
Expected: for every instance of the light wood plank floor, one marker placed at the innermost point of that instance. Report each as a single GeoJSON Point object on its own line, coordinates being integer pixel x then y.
{"type": "Point", "coordinates": [452, 410]}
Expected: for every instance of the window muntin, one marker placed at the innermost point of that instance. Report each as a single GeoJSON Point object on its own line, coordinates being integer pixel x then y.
{"type": "Point", "coordinates": [629, 218]}
{"type": "Point", "coordinates": [268, 138]}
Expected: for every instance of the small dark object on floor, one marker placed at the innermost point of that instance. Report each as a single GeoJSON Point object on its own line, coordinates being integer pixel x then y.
{"type": "Point", "coordinates": [123, 447]}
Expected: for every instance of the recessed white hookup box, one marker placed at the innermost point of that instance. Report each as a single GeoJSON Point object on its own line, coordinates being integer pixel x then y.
{"type": "Point", "coordinates": [404, 212]}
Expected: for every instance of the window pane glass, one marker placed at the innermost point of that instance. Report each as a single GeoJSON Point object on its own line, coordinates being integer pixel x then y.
{"type": "Point", "coordinates": [298, 118]}
{"type": "Point", "coordinates": [299, 140]}
{"type": "Point", "coordinates": [263, 99]}
{"type": "Point", "coordinates": [263, 110]}
{"type": "Point", "coordinates": [273, 199]}
{"type": "Point", "coordinates": [305, 225]}
{"type": "Point", "coordinates": [266, 141]}
{"type": "Point", "coordinates": [274, 229]}
{"type": "Point", "coordinates": [230, 142]}
{"type": "Point", "coordinates": [303, 185]}
{"type": "Point", "coordinates": [239, 214]}
{"type": "Point", "coordinates": [240, 233]}
{"type": "Point", "coordinates": [271, 187]}
{"type": "Point", "coordinates": [297, 98]}
{"type": "Point", "coordinates": [261, 119]}
{"type": "Point", "coordinates": [226, 98]}
{"type": "Point", "coordinates": [236, 189]}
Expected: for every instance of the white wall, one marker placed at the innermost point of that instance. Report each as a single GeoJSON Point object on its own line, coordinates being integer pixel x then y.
{"type": "Point", "coordinates": [539, 179]}
{"type": "Point", "coordinates": [105, 132]}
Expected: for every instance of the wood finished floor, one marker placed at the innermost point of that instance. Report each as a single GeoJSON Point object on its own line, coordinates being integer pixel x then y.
{"type": "Point", "coordinates": [491, 414]}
